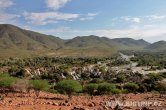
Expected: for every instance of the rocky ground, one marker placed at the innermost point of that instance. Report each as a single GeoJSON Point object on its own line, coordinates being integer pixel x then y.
{"type": "Point", "coordinates": [48, 101]}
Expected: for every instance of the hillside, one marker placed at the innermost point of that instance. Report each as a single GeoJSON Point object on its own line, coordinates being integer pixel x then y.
{"type": "Point", "coordinates": [131, 43]}
{"type": "Point", "coordinates": [14, 37]}
{"type": "Point", "coordinates": [17, 42]}
{"type": "Point", "coordinates": [157, 46]}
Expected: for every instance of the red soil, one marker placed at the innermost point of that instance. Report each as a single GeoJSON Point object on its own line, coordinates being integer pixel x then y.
{"type": "Point", "coordinates": [48, 101]}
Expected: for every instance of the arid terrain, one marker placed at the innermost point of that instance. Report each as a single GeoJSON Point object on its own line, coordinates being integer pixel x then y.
{"type": "Point", "coordinates": [48, 101]}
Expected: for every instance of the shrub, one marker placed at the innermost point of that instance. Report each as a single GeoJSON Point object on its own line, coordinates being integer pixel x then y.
{"type": "Point", "coordinates": [155, 77]}
{"type": "Point", "coordinates": [105, 88]}
{"type": "Point", "coordinates": [69, 87]}
{"type": "Point", "coordinates": [7, 81]}
{"type": "Point", "coordinates": [39, 85]}
{"type": "Point", "coordinates": [96, 80]}
{"type": "Point", "coordinates": [131, 87]}
{"type": "Point", "coordinates": [120, 79]}
{"type": "Point", "coordinates": [163, 74]}
{"type": "Point", "coordinates": [91, 88]}
{"type": "Point", "coordinates": [115, 91]}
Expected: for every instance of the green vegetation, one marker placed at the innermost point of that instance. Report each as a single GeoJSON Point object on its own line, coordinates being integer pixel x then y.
{"type": "Point", "coordinates": [105, 88]}
{"type": "Point", "coordinates": [69, 87]}
{"type": "Point", "coordinates": [7, 81]}
{"type": "Point", "coordinates": [161, 88]}
{"type": "Point", "coordinates": [39, 85]}
{"type": "Point", "coordinates": [73, 75]}
{"type": "Point", "coordinates": [91, 88]}
{"type": "Point", "coordinates": [131, 87]}
{"type": "Point", "coordinates": [22, 43]}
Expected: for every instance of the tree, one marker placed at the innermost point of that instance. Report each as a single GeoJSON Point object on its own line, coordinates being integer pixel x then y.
{"type": "Point", "coordinates": [152, 80]}
{"type": "Point", "coordinates": [131, 87]}
{"type": "Point", "coordinates": [105, 88]}
{"type": "Point", "coordinates": [120, 79]}
{"type": "Point", "coordinates": [91, 88]}
{"type": "Point", "coordinates": [69, 87]}
{"type": "Point", "coordinates": [39, 85]}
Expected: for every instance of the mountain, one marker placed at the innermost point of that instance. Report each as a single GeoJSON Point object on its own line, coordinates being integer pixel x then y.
{"type": "Point", "coordinates": [14, 37]}
{"type": "Point", "coordinates": [131, 43]}
{"type": "Point", "coordinates": [157, 46]}
{"type": "Point", "coordinates": [17, 42]}
{"type": "Point", "coordinates": [90, 41]}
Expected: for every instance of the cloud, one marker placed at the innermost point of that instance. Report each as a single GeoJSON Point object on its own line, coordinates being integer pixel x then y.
{"type": "Point", "coordinates": [5, 3]}
{"type": "Point", "coordinates": [150, 33]}
{"type": "Point", "coordinates": [44, 18]}
{"type": "Point", "coordinates": [136, 20]}
{"type": "Point", "coordinates": [54, 16]}
{"type": "Point", "coordinates": [92, 14]}
{"type": "Point", "coordinates": [56, 4]}
{"type": "Point", "coordinates": [140, 19]}
{"type": "Point", "coordinates": [156, 17]}
{"type": "Point", "coordinates": [7, 18]}
{"type": "Point", "coordinates": [89, 16]}
{"type": "Point", "coordinates": [132, 19]}
{"type": "Point", "coordinates": [58, 30]}
{"type": "Point", "coordinates": [86, 18]}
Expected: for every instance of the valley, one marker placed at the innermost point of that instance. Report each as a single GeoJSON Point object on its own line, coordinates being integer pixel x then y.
{"type": "Point", "coordinates": [47, 72]}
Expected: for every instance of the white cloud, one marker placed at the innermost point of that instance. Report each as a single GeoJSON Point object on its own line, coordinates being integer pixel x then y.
{"type": "Point", "coordinates": [156, 17]}
{"type": "Point", "coordinates": [48, 17]}
{"type": "Point", "coordinates": [5, 3]}
{"type": "Point", "coordinates": [150, 33]}
{"type": "Point", "coordinates": [86, 18]}
{"type": "Point", "coordinates": [56, 4]}
{"type": "Point", "coordinates": [7, 18]}
{"type": "Point", "coordinates": [136, 20]}
{"type": "Point", "coordinates": [89, 16]}
{"type": "Point", "coordinates": [92, 14]}
{"type": "Point", "coordinates": [132, 19]}
{"type": "Point", "coordinates": [140, 19]}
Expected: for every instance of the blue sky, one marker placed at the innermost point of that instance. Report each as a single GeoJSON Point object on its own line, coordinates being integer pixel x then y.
{"type": "Point", "coordinates": [138, 19]}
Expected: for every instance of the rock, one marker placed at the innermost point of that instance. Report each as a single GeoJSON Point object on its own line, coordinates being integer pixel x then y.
{"type": "Point", "coordinates": [91, 105]}
{"type": "Point", "coordinates": [56, 104]}
{"type": "Point", "coordinates": [50, 103]}
{"type": "Point", "coordinates": [78, 108]}
{"type": "Point", "coordinates": [105, 108]}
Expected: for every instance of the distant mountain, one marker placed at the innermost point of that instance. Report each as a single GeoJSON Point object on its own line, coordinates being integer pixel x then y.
{"type": "Point", "coordinates": [91, 46]}
{"type": "Point", "coordinates": [157, 46]}
{"type": "Point", "coordinates": [17, 42]}
{"type": "Point", "coordinates": [129, 42]}
{"type": "Point", "coordinates": [90, 41]}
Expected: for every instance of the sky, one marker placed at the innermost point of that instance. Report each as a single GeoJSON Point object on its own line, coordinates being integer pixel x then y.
{"type": "Point", "coordinates": [138, 19]}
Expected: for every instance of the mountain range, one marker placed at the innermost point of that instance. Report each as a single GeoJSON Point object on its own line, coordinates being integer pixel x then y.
{"type": "Point", "coordinates": [17, 42]}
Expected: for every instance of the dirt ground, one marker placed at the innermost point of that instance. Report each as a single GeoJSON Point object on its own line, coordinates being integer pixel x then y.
{"type": "Point", "coordinates": [49, 101]}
